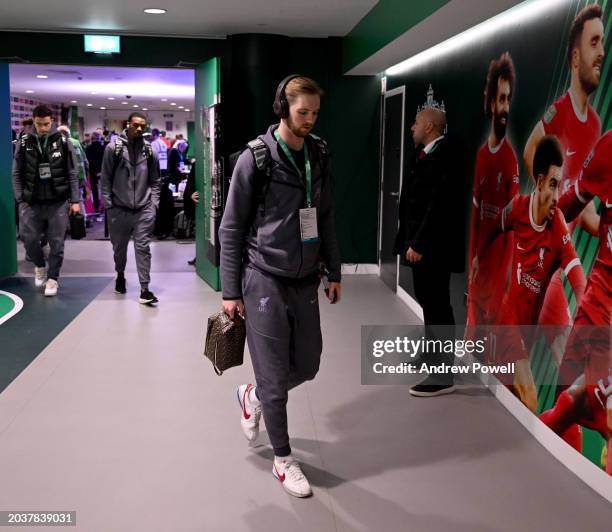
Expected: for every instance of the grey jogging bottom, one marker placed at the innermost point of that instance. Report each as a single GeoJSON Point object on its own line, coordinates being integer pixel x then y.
{"type": "Point", "coordinates": [284, 338]}
{"type": "Point", "coordinates": [32, 220]}
{"type": "Point", "coordinates": [125, 223]}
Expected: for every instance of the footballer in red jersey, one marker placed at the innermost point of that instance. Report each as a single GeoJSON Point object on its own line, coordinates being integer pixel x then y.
{"type": "Point", "coordinates": [496, 182]}
{"type": "Point", "coordinates": [542, 245]}
{"type": "Point", "coordinates": [589, 400]}
{"type": "Point", "coordinates": [578, 127]}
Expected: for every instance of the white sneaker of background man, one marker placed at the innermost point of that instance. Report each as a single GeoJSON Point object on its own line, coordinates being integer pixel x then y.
{"type": "Point", "coordinates": [51, 288]}
{"type": "Point", "coordinates": [40, 275]}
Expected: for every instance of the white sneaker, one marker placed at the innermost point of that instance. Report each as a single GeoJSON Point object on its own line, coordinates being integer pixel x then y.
{"type": "Point", "coordinates": [251, 411]}
{"type": "Point", "coordinates": [39, 276]}
{"type": "Point", "coordinates": [288, 471]}
{"type": "Point", "coordinates": [51, 288]}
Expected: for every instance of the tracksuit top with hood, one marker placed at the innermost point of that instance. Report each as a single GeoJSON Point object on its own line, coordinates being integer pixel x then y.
{"type": "Point", "coordinates": [133, 181]}
{"type": "Point", "coordinates": [272, 243]}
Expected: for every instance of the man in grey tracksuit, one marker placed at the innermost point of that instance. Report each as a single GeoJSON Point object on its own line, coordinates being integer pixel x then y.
{"type": "Point", "coordinates": [45, 179]}
{"type": "Point", "coordinates": [270, 257]}
{"type": "Point", "coordinates": [130, 188]}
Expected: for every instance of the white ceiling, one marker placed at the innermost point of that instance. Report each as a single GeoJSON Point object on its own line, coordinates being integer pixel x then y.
{"type": "Point", "coordinates": [187, 18]}
{"type": "Point", "coordinates": [146, 86]}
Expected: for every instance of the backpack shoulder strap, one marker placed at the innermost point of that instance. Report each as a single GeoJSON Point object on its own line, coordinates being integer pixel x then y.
{"type": "Point", "coordinates": [261, 154]}
{"type": "Point", "coordinates": [323, 152]}
{"type": "Point", "coordinates": [118, 153]}
{"type": "Point", "coordinates": [263, 159]}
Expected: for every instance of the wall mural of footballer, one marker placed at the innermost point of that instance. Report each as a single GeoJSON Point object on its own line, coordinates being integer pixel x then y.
{"type": "Point", "coordinates": [547, 255]}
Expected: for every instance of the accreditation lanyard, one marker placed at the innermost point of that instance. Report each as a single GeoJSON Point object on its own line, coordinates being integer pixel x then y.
{"type": "Point", "coordinates": [42, 148]}
{"type": "Point", "coordinates": [285, 148]}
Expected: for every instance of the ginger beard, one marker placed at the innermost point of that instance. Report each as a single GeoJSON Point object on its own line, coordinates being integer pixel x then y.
{"type": "Point", "coordinates": [303, 112]}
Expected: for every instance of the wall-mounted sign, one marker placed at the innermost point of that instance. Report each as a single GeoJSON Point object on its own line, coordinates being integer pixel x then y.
{"type": "Point", "coordinates": [103, 44]}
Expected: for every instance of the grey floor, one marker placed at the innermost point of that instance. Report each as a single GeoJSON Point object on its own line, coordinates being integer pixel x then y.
{"type": "Point", "coordinates": [121, 419]}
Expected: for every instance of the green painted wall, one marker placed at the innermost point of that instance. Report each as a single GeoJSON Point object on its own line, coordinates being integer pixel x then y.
{"type": "Point", "coordinates": [8, 248]}
{"type": "Point", "coordinates": [191, 137]}
{"type": "Point", "coordinates": [207, 90]}
{"type": "Point", "coordinates": [386, 21]}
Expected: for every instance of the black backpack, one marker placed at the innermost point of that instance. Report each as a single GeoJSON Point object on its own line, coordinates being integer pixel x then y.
{"type": "Point", "coordinates": [263, 161]}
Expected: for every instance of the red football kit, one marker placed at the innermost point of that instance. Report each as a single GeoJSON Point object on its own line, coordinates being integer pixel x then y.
{"type": "Point", "coordinates": [594, 310]}
{"type": "Point", "coordinates": [496, 182]}
{"type": "Point", "coordinates": [577, 133]}
{"type": "Point", "coordinates": [539, 250]}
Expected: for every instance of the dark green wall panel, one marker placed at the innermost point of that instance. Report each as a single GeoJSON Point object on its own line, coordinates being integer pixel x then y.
{"type": "Point", "coordinates": [8, 249]}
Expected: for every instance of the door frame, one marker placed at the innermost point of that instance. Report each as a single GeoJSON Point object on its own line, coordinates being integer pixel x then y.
{"type": "Point", "coordinates": [393, 92]}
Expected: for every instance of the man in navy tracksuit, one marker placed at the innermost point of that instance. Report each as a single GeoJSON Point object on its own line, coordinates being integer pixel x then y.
{"type": "Point", "coordinates": [277, 225]}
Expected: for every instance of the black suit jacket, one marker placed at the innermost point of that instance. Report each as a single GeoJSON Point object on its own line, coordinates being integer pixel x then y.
{"type": "Point", "coordinates": [432, 212]}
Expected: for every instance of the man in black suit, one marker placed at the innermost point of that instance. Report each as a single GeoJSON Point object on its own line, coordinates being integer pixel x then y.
{"type": "Point", "coordinates": [427, 239]}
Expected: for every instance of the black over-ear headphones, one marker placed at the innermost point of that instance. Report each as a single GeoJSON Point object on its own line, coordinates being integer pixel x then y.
{"type": "Point", "coordinates": [281, 105]}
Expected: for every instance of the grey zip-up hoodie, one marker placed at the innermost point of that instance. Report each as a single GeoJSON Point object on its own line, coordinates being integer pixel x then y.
{"type": "Point", "coordinates": [273, 243]}
{"type": "Point", "coordinates": [135, 183]}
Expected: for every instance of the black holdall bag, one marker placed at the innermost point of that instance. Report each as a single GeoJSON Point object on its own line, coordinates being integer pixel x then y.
{"type": "Point", "coordinates": [225, 339]}
{"type": "Point", "coordinates": [77, 226]}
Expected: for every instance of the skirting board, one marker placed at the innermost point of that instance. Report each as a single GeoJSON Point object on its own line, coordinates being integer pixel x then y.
{"type": "Point", "coordinates": [582, 467]}
{"type": "Point", "coordinates": [410, 301]}
{"type": "Point", "coordinates": [593, 476]}
{"type": "Point", "coordinates": [360, 269]}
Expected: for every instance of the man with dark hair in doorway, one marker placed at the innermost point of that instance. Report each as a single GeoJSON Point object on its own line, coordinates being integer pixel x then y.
{"type": "Point", "coordinates": [130, 188]}
{"type": "Point", "coordinates": [424, 240]}
{"type": "Point", "coordinates": [496, 182]}
{"type": "Point", "coordinates": [95, 154]}
{"type": "Point", "coordinates": [274, 229]}
{"type": "Point", "coordinates": [577, 126]}
{"type": "Point", "coordinates": [45, 178]}
{"type": "Point", "coordinates": [543, 246]}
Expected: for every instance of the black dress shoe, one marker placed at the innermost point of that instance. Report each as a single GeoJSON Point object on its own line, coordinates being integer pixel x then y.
{"type": "Point", "coordinates": [191, 262]}
{"type": "Point", "coordinates": [430, 388]}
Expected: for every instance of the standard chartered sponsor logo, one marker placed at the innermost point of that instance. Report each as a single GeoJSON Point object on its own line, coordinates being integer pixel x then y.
{"type": "Point", "coordinates": [533, 284]}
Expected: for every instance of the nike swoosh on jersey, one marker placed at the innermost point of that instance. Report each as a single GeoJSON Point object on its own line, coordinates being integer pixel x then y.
{"type": "Point", "coordinates": [569, 153]}
{"type": "Point", "coordinates": [608, 205]}
{"type": "Point", "coordinates": [518, 246]}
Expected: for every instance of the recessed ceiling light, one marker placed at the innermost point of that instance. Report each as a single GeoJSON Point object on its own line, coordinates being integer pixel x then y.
{"type": "Point", "coordinates": [111, 98]}
{"type": "Point", "coordinates": [73, 101]}
{"type": "Point", "coordinates": [124, 103]}
{"type": "Point", "coordinates": [42, 76]}
{"type": "Point", "coordinates": [181, 107]}
{"type": "Point", "coordinates": [164, 99]}
{"type": "Point", "coordinates": [135, 105]}
{"type": "Point", "coordinates": [102, 108]}
{"type": "Point", "coordinates": [155, 11]}
{"type": "Point", "coordinates": [172, 103]}
{"type": "Point", "coordinates": [90, 105]}
{"type": "Point", "coordinates": [187, 109]}
{"type": "Point", "coordinates": [145, 109]}
{"type": "Point", "coordinates": [30, 91]}
{"type": "Point", "coordinates": [93, 93]}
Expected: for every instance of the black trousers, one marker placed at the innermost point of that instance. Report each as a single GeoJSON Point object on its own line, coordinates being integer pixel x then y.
{"type": "Point", "coordinates": [432, 291]}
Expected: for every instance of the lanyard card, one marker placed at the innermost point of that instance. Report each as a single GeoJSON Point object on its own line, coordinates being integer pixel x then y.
{"type": "Point", "coordinates": [308, 225]}
{"type": "Point", "coordinates": [44, 170]}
